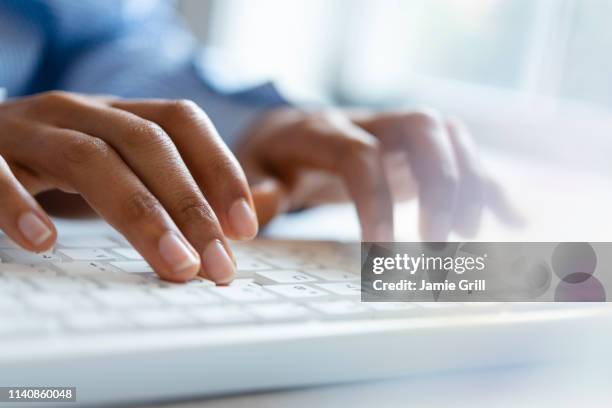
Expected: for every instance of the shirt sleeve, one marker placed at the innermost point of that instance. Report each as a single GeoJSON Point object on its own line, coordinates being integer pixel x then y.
{"type": "Point", "coordinates": [158, 58]}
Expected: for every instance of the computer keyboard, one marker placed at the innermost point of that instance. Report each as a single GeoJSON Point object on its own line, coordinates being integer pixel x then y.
{"type": "Point", "coordinates": [92, 312]}
{"type": "Point", "coordinates": [89, 284]}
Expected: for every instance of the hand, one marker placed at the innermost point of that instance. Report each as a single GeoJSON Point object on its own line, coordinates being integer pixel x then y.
{"type": "Point", "coordinates": [154, 169]}
{"type": "Point", "coordinates": [296, 159]}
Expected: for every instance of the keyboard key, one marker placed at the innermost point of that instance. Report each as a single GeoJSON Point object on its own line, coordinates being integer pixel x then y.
{"type": "Point", "coordinates": [246, 293]}
{"type": "Point", "coordinates": [63, 284]}
{"type": "Point", "coordinates": [86, 242]}
{"type": "Point", "coordinates": [297, 291]}
{"type": "Point", "coordinates": [185, 296]}
{"type": "Point", "coordinates": [83, 268]}
{"type": "Point", "coordinates": [283, 262]}
{"type": "Point", "coordinates": [21, 256]}
{"type": "Point", "coordinates": [26, 271]}
{"type": "Point", "coordinates": [274, 277]}
{"type": "Point", "coordinates": [342, 288]}
{"type": "Point", "coordinates": [221, 314]}
{"type": "Point", "coordinates": [334, 275]}
{"type": "Point", "coordinates": [133, 266]}
{"type": "Point", "coordinates": [250, 264]}
{"type": "Point", "coordinates": [89, 254]}
{"type": "Point", "coordinates": [279, 311]}
{"type": "Point", "coordinates": [129, 253]}
{"type": "Point", "coordinates": [126, 298]}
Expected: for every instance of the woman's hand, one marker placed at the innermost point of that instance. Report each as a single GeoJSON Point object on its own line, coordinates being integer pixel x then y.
{"type": "Point", "coordinates": [295, 159]}
{"type": "Point", "coordinates": [154, 169]}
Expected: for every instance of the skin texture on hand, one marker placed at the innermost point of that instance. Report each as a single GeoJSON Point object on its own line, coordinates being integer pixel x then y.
{"type": "Point", "coordinates": [295, 159]}
{"type": "Point", "coordinates": [156, 170]}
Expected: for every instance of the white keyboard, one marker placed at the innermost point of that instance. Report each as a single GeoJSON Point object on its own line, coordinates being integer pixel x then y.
{"type": "Point", "coordinates": [93, 315]}
{"type": "Point", "coordinates": [100, 284]}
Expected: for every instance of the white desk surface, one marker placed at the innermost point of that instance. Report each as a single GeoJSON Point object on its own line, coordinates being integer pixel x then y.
{"type": "Point", "coordinates": [561, 205]}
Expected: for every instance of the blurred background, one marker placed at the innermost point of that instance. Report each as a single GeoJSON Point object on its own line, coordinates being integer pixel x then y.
{"type": "Point", "coordinates": [531, 78]}
{"type": "Point", "coordinates": [527, 75]}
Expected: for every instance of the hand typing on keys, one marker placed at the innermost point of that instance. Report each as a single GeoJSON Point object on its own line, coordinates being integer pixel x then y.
{"type": "Point", "coordinates": [154, 169]}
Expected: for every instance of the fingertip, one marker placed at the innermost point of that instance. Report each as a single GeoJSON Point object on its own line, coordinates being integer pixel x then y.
{"type": "Point", "coordinates": [181, 260]}
{"type": "Point", "coordinates": [38, 231]}
{"type": "Point", "coordinates": [243, 220]}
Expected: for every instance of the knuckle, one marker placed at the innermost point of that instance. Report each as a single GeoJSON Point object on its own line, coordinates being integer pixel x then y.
{"type": "Point", "coordinates": [54, 98]}
{"type": "Point", "coordinates": [424, 119]}
{"type": "Point", "coordinates": [141, 206]}
{"type": "Point", "coordinates": [81, 150]}
{"type": "Point", "coordinates": [362, 150]}
{"type": "Point", "coordinates": [182, 109]}
{"type": "Point", "coordinates": [148, 134]}
{"type": "Point", "coordinates": [191, 209]}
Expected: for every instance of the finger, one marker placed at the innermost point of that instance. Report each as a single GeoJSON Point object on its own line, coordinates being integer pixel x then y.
{"type": "Point", "coordinates": [470, 196]}
{"type": "Point", "coordinates": [94, 169]}
{"type": "Point", "coordinates": [270, 196]}
{"type": "Point", "coordinates": [498, 202]}
{"type": "Point", "coordinates": [21, 218]}
{"type": "Point", "coordinates": [432, 160]}
{"type": "Point", "coordinates": [152, 156]}
{"type": "Point", "coordinates": [210, 161]}
{"type": "Point", "coordinates": [353, 154]}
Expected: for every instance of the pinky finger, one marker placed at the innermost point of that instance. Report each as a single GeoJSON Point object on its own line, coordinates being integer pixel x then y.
{"type": "Point", "coordinates": [21, 218]}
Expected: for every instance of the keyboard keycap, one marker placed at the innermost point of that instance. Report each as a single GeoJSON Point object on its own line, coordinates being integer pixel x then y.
{"type": "Point", "coordinates": [133, 266]}
{"type": "Point", "coordinates": [185, 296]}
{"type": "Point", "coordinates": [297, 291]}
{"type": "Point", "coordinates": [274, 277]}
{"type": "Point", "coordinates": [246, 293]}
{"type": "Point", "coordinates": [89, 254]}
{"type": "Point", "coordinates": [21, 256]}
{"type": "Point", "coordinates": [83, 268]}
{"type": "Point", "coordinates": [342, 289]}
{"type": "Point", "coordinates": [126, 298]}
{"type": "Point", "coordinates": [86, 242]}
{"type": "Point", "coordinates": [129, 253]}
{"type": "Point", "coordinates": [249, 264]}
{"type": "Point", "coordinates": [334, 275]}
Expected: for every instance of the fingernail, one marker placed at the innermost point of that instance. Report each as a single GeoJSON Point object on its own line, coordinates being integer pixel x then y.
{"type": "Point", "coordinates": [33, 228]}
{"type": "Point", "coordinates": [439, 226]}
{"type": "Point", "coordinates": [243, 219]}
{"type": "Point", "coordinates": [177, 254]}
{"type": "Point", "coordinates": [217, 263]}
